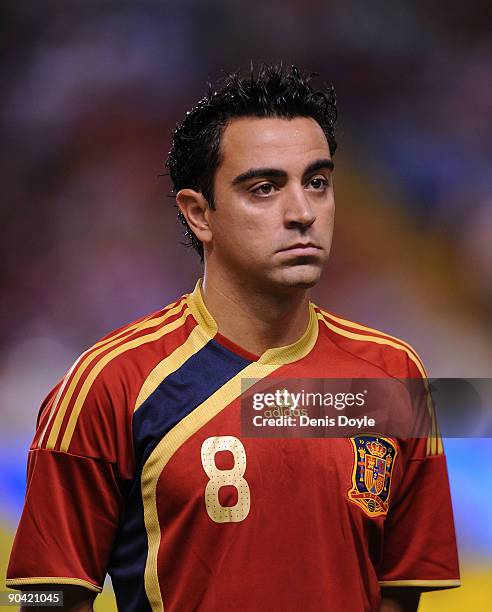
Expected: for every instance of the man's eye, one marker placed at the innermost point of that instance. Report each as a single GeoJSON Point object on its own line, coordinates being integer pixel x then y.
{"type": "Point", "coordinates": [318, 183]}
{"type": "Point", "coordinates": [263, 190]}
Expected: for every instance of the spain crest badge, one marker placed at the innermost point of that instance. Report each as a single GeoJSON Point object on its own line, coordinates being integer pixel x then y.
{"type": "Point", "coordinates": [371, 477]}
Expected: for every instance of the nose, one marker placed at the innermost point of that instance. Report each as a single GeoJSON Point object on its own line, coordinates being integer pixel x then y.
{"type": "Point", "coordinates": [299, 212]}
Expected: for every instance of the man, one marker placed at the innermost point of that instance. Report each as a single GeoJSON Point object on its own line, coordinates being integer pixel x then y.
{"type": "Point", "coordinates": [139, 466]}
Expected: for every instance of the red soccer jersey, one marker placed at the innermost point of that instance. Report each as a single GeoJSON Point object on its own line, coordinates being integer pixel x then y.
{"type": "Point", "coordinates": [139, 468]}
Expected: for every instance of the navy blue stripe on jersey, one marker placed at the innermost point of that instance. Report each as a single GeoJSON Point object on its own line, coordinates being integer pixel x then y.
{"type": "Point", "coordinates": [177, 395]}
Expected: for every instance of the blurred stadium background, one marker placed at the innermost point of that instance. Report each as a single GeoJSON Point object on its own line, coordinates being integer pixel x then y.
{"type": "Point", "coordinates": [90, 92]}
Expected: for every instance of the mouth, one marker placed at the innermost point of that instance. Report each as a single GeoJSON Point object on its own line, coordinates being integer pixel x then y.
{"type": "Point", "coordinates": [301, 249]}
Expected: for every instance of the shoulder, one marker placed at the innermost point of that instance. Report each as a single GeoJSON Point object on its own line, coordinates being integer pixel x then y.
{"type": "Point", "coordinates": [395, 356]}
{"type": "Point", "coordinates": [95, 399]}
{"type": "Point", "coordinates": [386, 354]}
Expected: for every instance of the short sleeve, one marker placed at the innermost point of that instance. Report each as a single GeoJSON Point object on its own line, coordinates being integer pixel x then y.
{"type": "Point", "coordinates": [419, 536]}
{"type": "Point", "coordinates": [76, 485]}
{"type": "Point", "coordinates": [69, 521]}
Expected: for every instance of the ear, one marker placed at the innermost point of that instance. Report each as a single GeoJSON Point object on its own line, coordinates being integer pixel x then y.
{"type": "Point", "coordinates": [196, 210]}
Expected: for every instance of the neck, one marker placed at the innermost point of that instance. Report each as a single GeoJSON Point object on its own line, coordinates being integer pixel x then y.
{"type": "Point", "coordinates": [254, 319]}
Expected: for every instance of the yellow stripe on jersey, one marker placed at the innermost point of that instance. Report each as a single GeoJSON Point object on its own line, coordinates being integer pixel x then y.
{"type": "Point", "coordinates": [421, 583]}
{"type": "Point", "coordinates": [167, 329]}
{"type": "Point", "coordinates": [76, 364]}
{"type": "Point", "coordinates": [15, 582]}
{"type": "Point", "coordinates": [195, 342]}
{"type": "Point", "coordinates": [85, 359]}
{"type": "Point", "coordinates": [434, 442]}
{"type": "Point", "coordinates": [166, 448]}
{"type": "Point", "coordinates": [375, 331]}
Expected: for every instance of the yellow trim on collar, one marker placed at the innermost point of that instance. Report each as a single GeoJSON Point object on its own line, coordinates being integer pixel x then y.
{"type": "Point", "coordinates": [299, 349]}
{"type": "Point", "coordinates": [200, 312]}
{"type": "Point", "coordinates": [274, 356]}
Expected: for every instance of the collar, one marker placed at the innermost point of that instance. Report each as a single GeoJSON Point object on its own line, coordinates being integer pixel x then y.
{"type": "Point", "coordinates": [279, 355]}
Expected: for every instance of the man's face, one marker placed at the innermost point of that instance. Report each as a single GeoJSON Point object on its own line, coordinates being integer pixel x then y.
{"type": "Point", "coordinates": [273, 222]}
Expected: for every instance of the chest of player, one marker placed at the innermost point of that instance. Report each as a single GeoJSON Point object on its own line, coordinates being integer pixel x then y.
{"type": "Point", "coordinates": [217, 474]}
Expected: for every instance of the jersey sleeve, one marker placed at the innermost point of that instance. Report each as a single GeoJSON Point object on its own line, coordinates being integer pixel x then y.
{"type": "Point", "coordinates": [76, 486]}
{"type": "Point", "coordinates": [419, 536]}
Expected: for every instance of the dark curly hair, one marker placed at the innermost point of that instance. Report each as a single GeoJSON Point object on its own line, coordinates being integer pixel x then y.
{"type": "Point", "coordinates": [274, 91]}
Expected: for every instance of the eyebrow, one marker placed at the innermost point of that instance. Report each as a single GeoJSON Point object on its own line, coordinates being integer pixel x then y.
{"type": "Point", "coordinates": [319, 164]}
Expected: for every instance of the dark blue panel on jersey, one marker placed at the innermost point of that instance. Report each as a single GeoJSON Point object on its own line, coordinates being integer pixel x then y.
{"type": "Point", "coordinates": [178, 395]}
